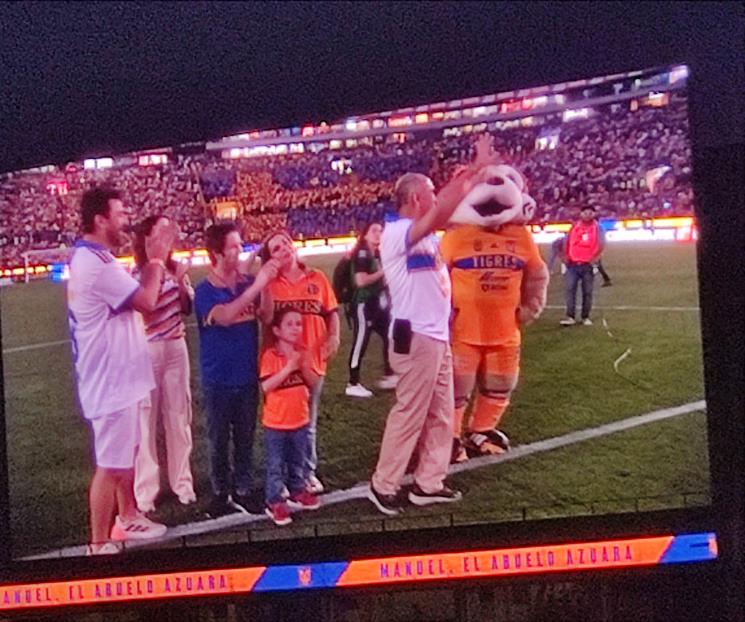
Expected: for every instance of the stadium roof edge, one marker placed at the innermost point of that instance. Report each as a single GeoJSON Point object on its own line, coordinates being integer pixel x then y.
{"type": "Point", "coordinates": [223, 143]}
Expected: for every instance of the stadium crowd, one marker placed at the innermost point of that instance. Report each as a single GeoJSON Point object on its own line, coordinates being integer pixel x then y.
{"type": "Point", "coordinates": [603, 159]}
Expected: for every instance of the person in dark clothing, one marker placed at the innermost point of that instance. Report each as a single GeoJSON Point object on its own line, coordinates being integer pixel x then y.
{"type": "Point", "coordinates": [557, 249]}
{"type": "Point", "coordinates": [370, 309]}
{"type": "Point", "coordinates": [606, 277]}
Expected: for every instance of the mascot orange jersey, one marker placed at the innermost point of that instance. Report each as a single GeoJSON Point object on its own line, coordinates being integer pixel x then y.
{"type": "Point", "coordinates": [487, 267]}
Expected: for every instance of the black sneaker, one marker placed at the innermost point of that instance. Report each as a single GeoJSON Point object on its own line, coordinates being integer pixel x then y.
{"type": "Point", "coordinates": [222, 505]}
{"type": "Point", "coordinates": [458, 453]}
{"type": "Point", "coordinates": [499, 438]}
{"type": "Point", "coordinates": [387, 504]}
{"type": "Point", "coordinates": [248, 503]}
{"type": "Point", "coordinates": [445, 495]}
{"type": "Point", "coordinates": [489, 443]}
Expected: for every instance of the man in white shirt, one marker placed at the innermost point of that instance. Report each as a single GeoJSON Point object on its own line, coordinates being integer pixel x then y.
{"type": "Point", "coordinates": [112, 363]}
{"type": "Point", "coordinates": [419, 283]}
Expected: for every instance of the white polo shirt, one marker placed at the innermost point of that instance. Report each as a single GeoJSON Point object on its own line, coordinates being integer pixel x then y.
{"type": "Point", "coordinates": [112, 362]}
{"type": "Point", "coordinates": [418, 280]}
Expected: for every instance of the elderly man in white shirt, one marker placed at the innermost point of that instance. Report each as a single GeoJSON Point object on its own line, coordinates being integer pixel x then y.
{"type": "Point", "coordinates": [419, 283]}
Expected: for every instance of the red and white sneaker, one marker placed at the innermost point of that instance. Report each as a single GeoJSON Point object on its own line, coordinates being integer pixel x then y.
{"type": "Point", "coordinates": [279, 513]}
{"type": "Point", "coordinates": [313, 484]}
{"type": "Point", "coordinates": [303, 500]}
{"type": "Point", "coordinates": [138, 528]}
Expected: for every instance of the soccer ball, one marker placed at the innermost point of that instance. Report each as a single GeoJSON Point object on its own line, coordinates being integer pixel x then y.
{"type": "Point", "coordinates": [494, 200]}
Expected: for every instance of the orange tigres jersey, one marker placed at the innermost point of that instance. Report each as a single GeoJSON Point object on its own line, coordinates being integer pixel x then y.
{"type": "Point", "coordinates": [312, 297]}
{"type": "Point", "coordinates": [486, 267]}
{"type": "Point", "coordinates": [285, 408]}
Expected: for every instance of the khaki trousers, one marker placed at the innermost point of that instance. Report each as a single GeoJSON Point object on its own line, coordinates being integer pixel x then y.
{"type": "Point", "coordinates": [422, 418]}
{"type": "Point", "coordinates": [171, 400]}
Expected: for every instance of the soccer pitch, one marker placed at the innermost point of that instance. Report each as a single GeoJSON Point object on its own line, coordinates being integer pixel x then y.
{"type": "Point", "coordinates": [568, 383]}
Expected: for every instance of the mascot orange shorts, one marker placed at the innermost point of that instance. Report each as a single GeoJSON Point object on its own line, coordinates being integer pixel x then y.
{"type": "Point", "coordinates": [485, 361]}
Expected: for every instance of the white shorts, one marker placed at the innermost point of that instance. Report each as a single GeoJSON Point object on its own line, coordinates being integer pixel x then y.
{"type": "Point", "coordinates": [116, 437]}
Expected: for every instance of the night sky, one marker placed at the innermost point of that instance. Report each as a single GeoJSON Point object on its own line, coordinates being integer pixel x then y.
{"type": "Point", "coordinates": [90, 79]}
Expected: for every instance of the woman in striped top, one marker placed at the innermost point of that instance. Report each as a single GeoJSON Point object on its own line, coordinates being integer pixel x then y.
{"type": "Point", "coordinates": [171, 398]}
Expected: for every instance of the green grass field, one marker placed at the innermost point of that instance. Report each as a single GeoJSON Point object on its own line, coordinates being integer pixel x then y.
{"type": "Point", "coordinates": [568, 383]}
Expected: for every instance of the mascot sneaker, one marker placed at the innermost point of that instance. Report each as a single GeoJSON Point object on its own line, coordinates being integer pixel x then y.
{"type": "Point", "coordinates": [491, 443]}
{"type": "Point", "coordinates": [458, 453]}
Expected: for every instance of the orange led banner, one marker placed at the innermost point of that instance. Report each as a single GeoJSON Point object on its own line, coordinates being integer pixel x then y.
{"type": "Point", "coordinates": [526, 560]}
{"type": "Point", "coordinates": [578, 556]}
{"type": "Point", "coordinates": [121, 589]}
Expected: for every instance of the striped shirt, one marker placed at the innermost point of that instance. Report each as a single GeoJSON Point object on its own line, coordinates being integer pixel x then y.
{"type": "Point", "coordinates": [165, 321]}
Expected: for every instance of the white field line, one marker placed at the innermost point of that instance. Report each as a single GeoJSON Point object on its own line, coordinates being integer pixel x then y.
{"type": "Point", "coordinates": [632, 308]}
{"type": "Point", "coordinates": [360, 490]}
{"type": "Point", "coordinates": [35, 346]}
{"type": "Point", "coordinates": [49, 344]}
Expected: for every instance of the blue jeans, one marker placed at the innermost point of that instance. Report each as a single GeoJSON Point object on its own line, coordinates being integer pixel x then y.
{"type": "Point", "coordinates": [314, 403]}
{"type": "Point", "coordinates": [579, 273]}
{"type": "Point", "coordinates": [231, 410]}
{"type": "Point", "coordinates": [285, 451]}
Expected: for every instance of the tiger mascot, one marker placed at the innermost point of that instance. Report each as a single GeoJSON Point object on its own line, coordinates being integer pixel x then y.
{"type": "Point", "coordinates": [499, 286]}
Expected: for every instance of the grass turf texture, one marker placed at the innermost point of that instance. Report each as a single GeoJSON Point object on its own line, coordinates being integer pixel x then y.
{"type": "Point", "coordinates": [567, 383]}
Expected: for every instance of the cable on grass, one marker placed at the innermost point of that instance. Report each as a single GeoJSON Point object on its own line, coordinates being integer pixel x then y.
{"type": "Point", "coordinates": [626, 354]}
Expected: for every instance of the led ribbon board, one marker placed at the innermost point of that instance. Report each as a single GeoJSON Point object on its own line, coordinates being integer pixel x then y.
{"type": "Point", "coordinates": [578, 556]}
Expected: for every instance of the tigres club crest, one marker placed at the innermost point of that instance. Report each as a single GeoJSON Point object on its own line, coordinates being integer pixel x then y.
{"type": "Point", "coordinates": [304, 575]}
{"type": "Point", "coordinates": [511, 246]}
{"type": "Point", "coordinates": [313, 289]}
{"type": "Point", "coordinates": [477, 245]}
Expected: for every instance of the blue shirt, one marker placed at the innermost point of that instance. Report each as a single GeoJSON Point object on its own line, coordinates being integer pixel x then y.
{"type": "Point", "coordinates": [227, 354]}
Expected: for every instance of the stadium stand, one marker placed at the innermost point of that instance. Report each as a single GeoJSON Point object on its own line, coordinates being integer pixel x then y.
{"type": "Point", "coordinates": [613, 157]}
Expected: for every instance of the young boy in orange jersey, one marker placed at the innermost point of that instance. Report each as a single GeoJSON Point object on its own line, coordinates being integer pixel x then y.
{"type": "Point", "coordinates": [499, 285]}
{"type": "Point", "coordinates": [286, 376]}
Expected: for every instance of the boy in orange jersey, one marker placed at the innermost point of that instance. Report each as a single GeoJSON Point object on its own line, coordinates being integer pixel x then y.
{"type": "Point", "coordinates": [308, 292]}
{"type": "Point", "coordinates": [499, 285]}
{"type": "Point", "coordinates": [286, 376]}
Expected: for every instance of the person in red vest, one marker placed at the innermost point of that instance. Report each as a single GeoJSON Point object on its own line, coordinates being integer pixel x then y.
{"type": "Point", "coordinates": [582, 249]}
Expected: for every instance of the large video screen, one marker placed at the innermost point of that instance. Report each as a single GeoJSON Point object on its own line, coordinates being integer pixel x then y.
{"type": "Point", "coordinates": [594, 411]}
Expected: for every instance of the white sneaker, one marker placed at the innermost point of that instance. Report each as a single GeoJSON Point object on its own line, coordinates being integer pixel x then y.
{"type": "Point", "coordinates": [357, 390]}
{"type": "Point", "coordinates": [138, 528]}
{"type": "Point", "coordinates": [107, 548]}
{"type": "Point", "coordinates": [568, 321]}
{"type": "Point", "coordinates": [146, 506]}
{"type": "Point", "coordinates": [587, 322]}
{"type": "Point", "coordinates": [388, 382]}
{"type": "Point", "coordinates": [187, 499]}
{"type": "Point", "coordinates": [314, 485]}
